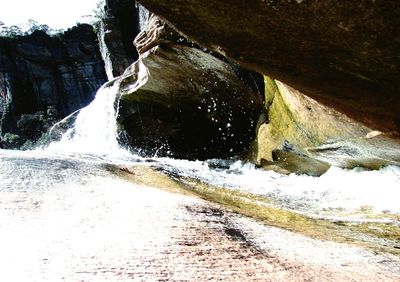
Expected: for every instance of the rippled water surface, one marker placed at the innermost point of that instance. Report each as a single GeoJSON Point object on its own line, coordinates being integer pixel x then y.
{"type": "Point", "coordinates": [65, 217]}
{"type": "Point", "coordinates": [355, 194]}
{"type": "Point", "coordinates": [337, 191]}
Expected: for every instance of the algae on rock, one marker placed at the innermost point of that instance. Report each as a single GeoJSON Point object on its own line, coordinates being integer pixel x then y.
{"type": "Point", "coordinates": [300, 124]}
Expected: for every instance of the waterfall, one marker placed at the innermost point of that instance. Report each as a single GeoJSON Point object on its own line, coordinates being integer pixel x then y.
{"type": "Point", "coordinates": [144, 16]}
{"type": "Point", "coordinates": [95, 127]}
{"type": "Point", "coordinates": [105, 53]}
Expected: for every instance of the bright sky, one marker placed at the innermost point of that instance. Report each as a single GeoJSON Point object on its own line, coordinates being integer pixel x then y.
{"type": "Point", "coordinates": [55, 13]}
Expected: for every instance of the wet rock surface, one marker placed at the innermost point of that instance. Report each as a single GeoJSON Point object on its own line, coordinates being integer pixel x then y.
{"type": "Point", "coordinates": [289, 162]}
{"type": "Point", "coordinates": [304, 127]}
{"type": "Point", "coordinates": [342, 54]}
{"type": "Point", "coordinates": [117, 28]}
{"type": "Point", "coordinates": [101, 227]}
{"type": "Point", "coordinates": [191, 103]}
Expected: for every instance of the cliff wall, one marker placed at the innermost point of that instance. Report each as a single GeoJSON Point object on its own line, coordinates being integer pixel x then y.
{"type": "Point", "coordinates": [44, 78]}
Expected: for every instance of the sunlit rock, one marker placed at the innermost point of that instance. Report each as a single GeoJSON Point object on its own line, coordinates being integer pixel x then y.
{"type": "Point", "coordinates": [301, 125]}
{"type": "Point", "coordinates": [344, 54]}
{"type": "Point", "coordinates": [193, 104]}
{"type": "Point", "coordinates": [287, 162]}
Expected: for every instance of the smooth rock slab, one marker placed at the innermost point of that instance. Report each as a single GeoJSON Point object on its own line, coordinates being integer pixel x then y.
{"type": "Point", "coordinates": [64, 219]}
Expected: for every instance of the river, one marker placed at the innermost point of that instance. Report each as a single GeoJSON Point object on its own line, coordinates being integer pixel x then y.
{"type": "Point", "coordinates": [64, 216]}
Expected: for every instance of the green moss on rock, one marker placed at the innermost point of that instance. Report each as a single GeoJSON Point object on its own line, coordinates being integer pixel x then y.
{"type": "Point", "coordinates": [296, 123]}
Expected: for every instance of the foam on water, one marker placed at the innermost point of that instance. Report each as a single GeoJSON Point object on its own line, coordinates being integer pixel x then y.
{"type": "Point", "coordinates": [337, 191]}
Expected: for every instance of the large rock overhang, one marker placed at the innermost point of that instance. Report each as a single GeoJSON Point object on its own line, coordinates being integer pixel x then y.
{"type": "Point", "coordinates": [344, 54]}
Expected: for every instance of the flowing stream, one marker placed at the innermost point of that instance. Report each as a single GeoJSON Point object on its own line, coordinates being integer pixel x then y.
{"type": "Point", "coordinates": [342, 194]}
{"type": "Point", "coordinates": [64, 195]}
{"type": "Point", "coordinates": [95, 127]}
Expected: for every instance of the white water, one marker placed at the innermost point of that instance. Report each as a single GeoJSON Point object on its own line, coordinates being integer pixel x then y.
{"type": "Point", "coordinates": [65, 217]}
{"type": "Point", "coordinates": [346, 194]}
{"type": "Point", "coordinates": [353, 194]}
{"type": "Point", "coordinates": [95, 128]}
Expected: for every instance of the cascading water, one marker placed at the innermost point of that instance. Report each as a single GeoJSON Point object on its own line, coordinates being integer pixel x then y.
{"type": "Point", "coordinates": [64, 215]}
{"type": "Point", "coordinates": [338, 193]}
{"type": "Point", "coordinates": [96, 124]}
{"type": "Point", "coordinates": [95, 127]}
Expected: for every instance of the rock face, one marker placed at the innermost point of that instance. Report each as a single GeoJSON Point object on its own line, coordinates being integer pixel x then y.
{"type": "Point", "coordinates": [43, 78]}
{"type": "Point", "coordinates": [118, 27]}
{"type": "Point", "coordinates": [296, 128]}
{"type": "Point", "coordinates": [344, 54]}
{"type": "Point", "coordinates": [191, 103]}
{"type": "Point", "coordinates": [287, 162]}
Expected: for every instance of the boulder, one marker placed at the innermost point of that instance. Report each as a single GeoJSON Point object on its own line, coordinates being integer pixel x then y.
{"type": "Point", "coordinates": [344, 54]}
{"type": "Point", "coordinates": [191, 104]}
{"type": "Point", "coordinates": [286, 162]}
